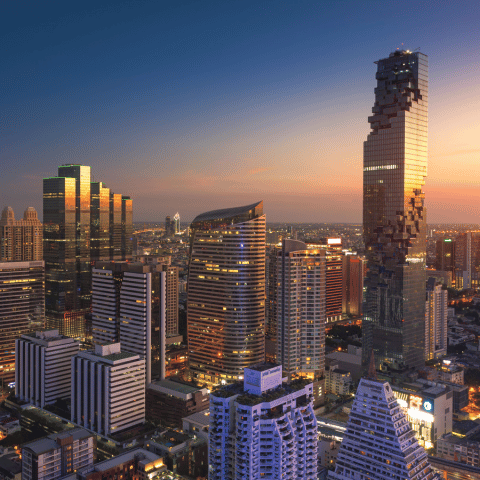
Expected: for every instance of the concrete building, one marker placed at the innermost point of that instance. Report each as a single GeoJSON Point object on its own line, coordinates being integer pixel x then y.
{"type": "Point", "coordinates": [436, 325]}
{"type": "Point", "coordinates": [379, 443]}
{"type": "Point", "coordinates": [298, 292]}
{"type": "Point", "coordinates": [108, 389]}
{"type": "Point", "coordinates": [429, 409]}
{"type": "Point", "coordinates": [182, 454]}
{"type": "Point", "coordinates": [168, 401]}
{"type": "Point", "coordinates": [337, 381]}
{"type": "Point", "coordinates": [43, 371]}
{"type": "Point", "coordinates": [20, 240]}
{"type": "Point", "coordinates": [136, 464]}
{"type": "Point", "coordinates": [330, 436]}
{"type": "Point", "coordinates": [197, 423]}
{"type": "Point", "coordinates": [58, 455]}
{"type": "Point", "coordinates": [263, 428]}
{"type": "Point", "coordinates": [22, 308]}
{"type": "Point", "coordinates": [129, 306]}
{"type": "Point", "coordinates": [460, 449]}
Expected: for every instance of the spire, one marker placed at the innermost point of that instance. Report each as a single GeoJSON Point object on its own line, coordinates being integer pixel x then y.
{"type": "Point", "coordinates": [372, 372]}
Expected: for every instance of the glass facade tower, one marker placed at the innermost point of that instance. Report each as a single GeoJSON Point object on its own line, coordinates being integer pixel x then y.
{"type": "Point", "coordinates": [226, 293]}
{"type": "Point", "coordinates": [83, 221]}
{"type": "Point", "coordinates": [394, 217]}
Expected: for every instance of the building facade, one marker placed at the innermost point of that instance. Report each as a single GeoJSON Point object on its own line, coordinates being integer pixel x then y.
{"type": "Point", "coordinates": [20, 240]}
{"type": "Point", "coordinates": [114, 384]}
{"type": "Point", "coordinates": [58, 455]}
{"type": "Point", "coordinates": [353, 274]}
{"type": "Point", "coordinates": [445, 256]}
{"type": "Point", "coordinates": [299, 298]}
{"type": "Point", "coordinates": [394, 216]}
{"type": "Point", "coordinates": [436, 325]}
{"type": "Point", "coordinates": [226, 293]}
{"type": "Point", "coordinates": [83, 222]}
{"type": "Point", "coordinates": [379, 443]}
{"type": "Point", "coordinates": [22, 308]}
{"type": "Point", "coordinates": [263, 429]}
{"type": "Point", "coordinates": [43, 371]}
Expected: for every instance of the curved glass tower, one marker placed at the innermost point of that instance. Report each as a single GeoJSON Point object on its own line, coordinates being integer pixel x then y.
{"type": "Point", "coordinates": [394, 221]}
{"type": "Point", "coordinates": [226, 293]}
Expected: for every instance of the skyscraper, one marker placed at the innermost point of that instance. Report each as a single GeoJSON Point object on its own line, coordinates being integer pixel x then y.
{"type": "Point", "coordinates": [379, 443]}
{"type": "Point", "coordinates": [83, 222]}
{"type": "Point", "coordinates": [353, 273]}
{"type": "Point", "coordinates": [298, 291]}
{"type": "Point", "coordinates": [22, 308]}
{"type": "Point", "coordinates": [226, 293]}
{"type": "Point", "coordinates": [445, 257]}
{"type": "Point", "coordinates": [20, 240]}
{"type": "Point", "coordinates": [176, 223]}
{"type": "Point", "coordinates": [436, 325]}
{"type": "Point", "coordinates": [394, 217]}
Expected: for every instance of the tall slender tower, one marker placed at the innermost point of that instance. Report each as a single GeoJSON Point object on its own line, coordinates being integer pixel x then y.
{"type": "Point", "coordinates": [226, 293]}
{"type": "Point", "coordinates": [394, 221]}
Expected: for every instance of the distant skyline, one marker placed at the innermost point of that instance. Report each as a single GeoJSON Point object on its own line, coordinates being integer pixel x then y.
{"type": "Point", "coordinates": [193, 106]}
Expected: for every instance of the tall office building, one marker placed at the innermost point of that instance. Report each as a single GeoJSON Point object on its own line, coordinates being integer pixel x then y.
{"type": "Point", "coordinates": [83, 222]}
{"type": "Point", "coordinates": [353, 274]}
{"type": "Point", "coordinates": [20, 240]}
{"type": "Point", "coordinates": [394, 217]}
{"type": "Point", "coordinates": [108, 389]}
{"type": "Point", "coordinates": [169, 226]}
{"type": "Point", "coordinates": [436, 325]}
{"type": "Point", "coordinates": [445, 257]}
{"type": "Point", "coordinates": [176, 223]}
{"type": "Point", "coordinates": [467, 260]}
{"type": "Point", "coordinates": [379, 443]}
{"type": "Point", "coordinates": [22, 308]}
{"type": "Point", "coordinates": [263, 428]}
{"type": "Point", "coordinates": [299, 295]}
{"type": "Point", "coordinates": [226, 293]}
{"type": "Point", "coordinates": [128, 306]}
{"type": "Point", "coordinates": [43, 371]}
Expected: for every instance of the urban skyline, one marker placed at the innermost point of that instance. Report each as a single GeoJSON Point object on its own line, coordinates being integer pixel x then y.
{"type": "Point", "coordinates": [263, 86]}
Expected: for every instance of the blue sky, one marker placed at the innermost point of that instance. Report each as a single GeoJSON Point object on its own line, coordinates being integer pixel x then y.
{"type": "Point", "coordinates": [192, 106]}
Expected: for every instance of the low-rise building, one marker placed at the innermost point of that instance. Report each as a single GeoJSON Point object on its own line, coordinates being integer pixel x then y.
{"type": "Point", "coordinates": [183, 454]}
{"type": "Point", "coordinates": [58, 455]}
{"type": "Point", "coordinates": [136, 464]}
{"type": "Point", "coordinates": [197, 424]}
{"type": "Point", "coordinates": [337, 380]}
{"type": "Point", "coordinates": [168, 401]}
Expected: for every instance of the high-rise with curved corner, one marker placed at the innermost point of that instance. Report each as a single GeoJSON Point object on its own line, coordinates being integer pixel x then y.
{"type": "Point", "coordinates": [394, 220]}
{"type": "Point", "coordinates": [226, 293]}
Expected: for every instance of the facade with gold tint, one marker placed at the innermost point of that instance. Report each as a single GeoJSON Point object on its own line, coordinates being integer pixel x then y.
{"type": "Point", "coordinates": [20, 240]}
{"type": "Point", "coordinates": [226, 293]}
{"type": "Point", "coordinates": [394, 220]}
{"type": "Point", "coordinates": [79, 229]}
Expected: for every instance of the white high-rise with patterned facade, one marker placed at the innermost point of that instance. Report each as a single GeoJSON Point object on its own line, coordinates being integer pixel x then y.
{"type": "Point", "coordinates": [379, 443]}
{"type": "Point", "coordinates": [263, 428]}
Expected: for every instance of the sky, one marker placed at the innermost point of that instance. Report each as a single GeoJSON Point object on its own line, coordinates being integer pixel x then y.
{"type": "Point", "coordinates": [190, 106]}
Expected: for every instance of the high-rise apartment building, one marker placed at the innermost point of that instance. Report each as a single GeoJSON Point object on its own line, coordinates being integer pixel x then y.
{"type": "Point", "coordinates": [299, 295]}
{"type": "Point", "coordinates": [58, 455]}
{"type": "Point", "coordinates": [108, 389]}
{"type": "Point", "coordinates": [379, 443]}
{"type": "Point", "coordinates": [436, 325]}
{"type": "Point", "coordinates": [353, 274]}
{"type": "Point", "coordinates": [226, 293]}
{"type": "Point", "coordinates": [43, 367]}
{"type": "Point", "coordinates": [334, 276]}
{"type": "Point", "coordinates": [20, 240]}
{"type": "Point", "coordinates": [467, 260]}
{"type": "Point", "coordinates": [263, 428]}
{"type": "Point", "coordinates": [394, 217]}
{"type": "Point", "coordinates": [445, 257]}
{"type": "Point", "coordinates": [22, 308]}
{"type": "Point", "coordinates": [83, 222]}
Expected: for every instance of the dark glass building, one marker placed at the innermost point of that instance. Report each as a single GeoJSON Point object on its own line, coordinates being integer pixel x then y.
{"type": "Point", "coordinates": [226, 293]}
{"type": "Point", "coordinates": [82, 222]}
{"type": "Point", "coordinates": [394, 220]}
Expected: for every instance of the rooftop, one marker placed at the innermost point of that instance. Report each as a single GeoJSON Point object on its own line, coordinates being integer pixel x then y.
{"type": "Point", "coordinates": [124, 457]}
{"type": "Point", "coordinates": [176, 386]}
{"type": "Point", "coordinates": [46, 444]}
{"type": "Point", "coordinates": [262, 367]}
{"type": "Point", "coordinates": [248, 211]}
